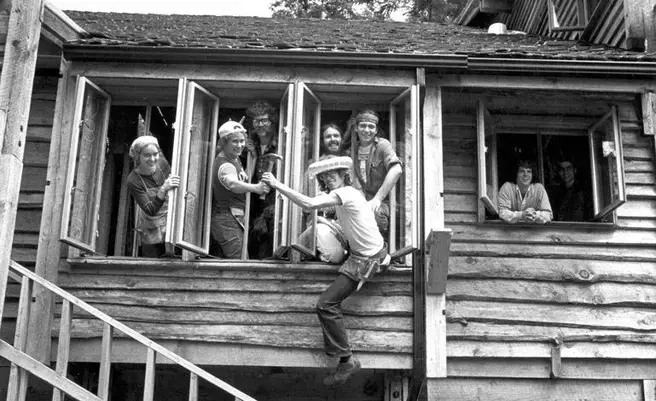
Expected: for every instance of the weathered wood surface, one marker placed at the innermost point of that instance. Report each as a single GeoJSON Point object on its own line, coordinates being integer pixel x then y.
{"type": "Point", "coordinates": [264, 335]}
{"type": "Point", "coordinates": [534, 368]}
{"type": "Point", "coordinates": [465, 389]}
{"type": "Point", "coordinates": [546, 333]}
{"type": "Point", "coordinates": [580, 316]}
{"type": "Point", "coordinates": [557, 270]}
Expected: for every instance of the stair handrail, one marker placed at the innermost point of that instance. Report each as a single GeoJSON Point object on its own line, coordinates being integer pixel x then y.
{"type": "Point", "coordinates": [159, 349]}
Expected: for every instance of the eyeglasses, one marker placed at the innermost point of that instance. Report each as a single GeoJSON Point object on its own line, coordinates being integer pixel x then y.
{"type": "Point", "coordinates": [261, 121]}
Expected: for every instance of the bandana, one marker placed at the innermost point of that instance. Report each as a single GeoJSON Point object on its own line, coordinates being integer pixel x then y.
{"type": "Point", "coordinates": [367, 116]}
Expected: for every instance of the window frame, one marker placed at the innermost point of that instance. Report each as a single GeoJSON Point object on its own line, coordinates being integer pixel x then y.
{"type": "Point", "coordinates": [183, 138]}
{"type": "Point", "coordinates": [484, 119]}
{"type": "Point", "coordinates": [82, 83]}
{"type": "Point", "coordinates": [583, 14]}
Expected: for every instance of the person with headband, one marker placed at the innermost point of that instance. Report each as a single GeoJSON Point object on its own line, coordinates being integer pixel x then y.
{"type": "Point", "coordinates": [229, 187]}
{"type": "Point", "coordinates": [377, 167]}
{"type": "Point", "coordinates": [368, 253]}
{"type": "Point", "coordinates": [149, 184]}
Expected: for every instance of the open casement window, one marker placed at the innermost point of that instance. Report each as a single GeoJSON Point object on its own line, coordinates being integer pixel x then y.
{"type": "Point", "coordinates": [488, 177]}
{"type": "Point", "coordinates": [404, 198]}
{"type": "Point", "coordinates": [305, 145]}
{"type": "Point", "coordinates": [193, 160]}
{"type": "Point", "coordinates": [569, 15]}
{"type": "Point", "coordinates": [85, 166]}
{"type": "Point", "coordinates": [281, 237]}
{"type": "Point", "coordinates": [606, 162]}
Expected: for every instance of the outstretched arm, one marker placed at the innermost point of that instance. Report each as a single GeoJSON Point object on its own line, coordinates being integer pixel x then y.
{"type": "Point", "coordinates": [304, 201]}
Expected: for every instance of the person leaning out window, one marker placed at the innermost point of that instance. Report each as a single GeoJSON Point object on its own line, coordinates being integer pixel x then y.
{"type": "Point", "coordinates": [524, 201]}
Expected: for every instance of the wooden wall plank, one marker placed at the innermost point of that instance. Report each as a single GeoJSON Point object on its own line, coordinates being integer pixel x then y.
{"type": "Point", "coordinates": [548, 333]}
{"type": "Point", "coordinates": [265, 302]}
{"type": "Point", "coordinates": [520, 390]}
{"type": "Point", "coordinates": [620, 352]}
{"type": "Point", "coordinates": [620, 254]}
{"type": "Point", "coordinates": [557, 270]}
{"type": "Point", "coordinates": [269, 335]}
{"type": "Point", "coordinates": [492, 290]}
{"type": "Point", "coordinates": [602, 317]}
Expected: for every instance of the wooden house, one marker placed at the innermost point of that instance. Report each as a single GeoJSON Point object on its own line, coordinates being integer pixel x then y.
{"type": "Point", "coordinates": [480, 310]}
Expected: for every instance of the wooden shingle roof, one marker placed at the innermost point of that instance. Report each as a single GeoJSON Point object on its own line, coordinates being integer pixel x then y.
{"type": "Point", "coordinates": [312, 35]}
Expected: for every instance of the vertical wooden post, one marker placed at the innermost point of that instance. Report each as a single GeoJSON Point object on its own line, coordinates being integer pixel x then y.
{"type": "Point", "coordinates": [434, 220]}
{"type": "Point", "coordinates": [640, 25]}
{"type": "Point", "coordinates": [105, 363]}
{"type": "Point", "coordinates": [16, 84]}
{"type": "Point", "coordinates": [49, 251]}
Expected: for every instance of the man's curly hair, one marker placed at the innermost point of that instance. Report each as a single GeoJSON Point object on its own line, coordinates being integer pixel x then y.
{"type": "Point", "coordinates": [261, 108]}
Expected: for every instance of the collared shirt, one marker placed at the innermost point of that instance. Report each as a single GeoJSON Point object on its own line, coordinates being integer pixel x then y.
{"type": "Point", "coordinates": [381, 158]}
{"type": "Point", "coordinates": [512, 204]}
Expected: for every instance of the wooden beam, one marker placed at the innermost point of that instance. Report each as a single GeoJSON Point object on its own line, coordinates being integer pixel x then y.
{"type": "Point", "coordinates": [640, 25]}
{"type": "Point", "coordinates": [439, 244]}
{"type": "Point", "coordinates": [105, 362]}
{"type": "Point", "coordinates": [16, 83]}
{"type": "Point", "coordinates": [149, 380]}
{"type": "Point", "coordinates": [649, 390]}
{"type": "Point", "coordinates": [556, 364]}
{"type": "Point", "coordinates": [49, 247]}
{"type": "Point", "coordinates": [649, 113]}
{"type": "Point", "coordinates": [63, 346]}
{"type": "Point", "coordinates": [496, 6]}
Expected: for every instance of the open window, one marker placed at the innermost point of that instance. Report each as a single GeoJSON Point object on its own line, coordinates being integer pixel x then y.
{"type": "Point", "coordinates": [577, 159]}
{"type": "Point", "coordinates": [281, 236]}
{"type": "Point", "coordinates": [194, 148]}
{"type": "Point", "coordinates": [488, 176]}
{"type": "Point", "coordinates": [85, 167]}
{"type": "Point", "coordinates": [404, 203]}
{"type": "Point", "coordinates": [305, 150]}
{"type": "Point", "coordinates": [606, 164]}
{"type": "Point", "coordinates": [568, 15]}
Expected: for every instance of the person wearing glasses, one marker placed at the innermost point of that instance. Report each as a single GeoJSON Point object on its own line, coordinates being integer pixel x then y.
{"type": "Point", "coordinates": [263, 139]}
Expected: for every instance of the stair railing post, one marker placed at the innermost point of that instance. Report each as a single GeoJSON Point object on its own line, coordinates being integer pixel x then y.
{"type": "Point", "coordinates": [149, 379]}
{"type": "Point", "coordinates": [17, 387]}
{"type": "Point", "coordinates": [105, 362]}
{"type": "Point", "coordinates": [193, 387]}
{"type": "Point", "coordinates": [63, 346]}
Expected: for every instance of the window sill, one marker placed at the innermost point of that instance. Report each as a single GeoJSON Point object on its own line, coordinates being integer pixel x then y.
{"type": "Point", "coordinates": [571, 225]}
{"type": "Point", "coordinates": [106, 262]}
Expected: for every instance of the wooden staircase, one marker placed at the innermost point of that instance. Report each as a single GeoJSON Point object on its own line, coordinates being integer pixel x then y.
{"type": "Point", "coordinates": [22, 364]}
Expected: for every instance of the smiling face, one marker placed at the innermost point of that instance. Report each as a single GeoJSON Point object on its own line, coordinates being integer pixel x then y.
{"type": "Point", "coordinates": [524, 176]}
{"type": "Point", "coordinates": [366, 132]}
{"type": "Point", "coordinates": [333, 179]}
{"type": "Point", "coordinates": [263, 126]}
{"type": "Point", "coordinates": [234, 145]}
{"type": "Point", "coordinates": [148, 158]}
{"type": "Point", "coordinates": [332, 140]}
{"type": "Point", "coordinates": [566, 171]}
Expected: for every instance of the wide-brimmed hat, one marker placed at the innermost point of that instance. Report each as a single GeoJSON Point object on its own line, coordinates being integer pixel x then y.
{"type": "Point", "coordinates": [330, 164]}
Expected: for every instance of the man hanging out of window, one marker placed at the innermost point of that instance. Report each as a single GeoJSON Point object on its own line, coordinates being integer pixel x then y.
{"type": "Point", "coordinates": [368, 252]}
{"type": "Point", "coordinates": [524, 201]}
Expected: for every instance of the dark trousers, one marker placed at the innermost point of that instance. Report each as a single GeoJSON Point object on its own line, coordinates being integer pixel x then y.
{"type": "Point", "coordinates": [329, 310]}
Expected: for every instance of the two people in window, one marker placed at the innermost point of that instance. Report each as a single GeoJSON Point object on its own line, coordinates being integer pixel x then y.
{"type": "Point", "coordinates": [524, 201]}
{"type": "Point", "coordinates": [149, 184]}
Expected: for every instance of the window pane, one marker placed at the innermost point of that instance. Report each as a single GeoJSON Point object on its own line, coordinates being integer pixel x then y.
{"type": "Point", "coordinates": [306, 149]}
{"type": "Point", "coordinates": [87, 165]}
{"type": "Point", "coordinates": [608, 175]}
{"type": "Point", "coordinates": [200, 127]}
{"type": "Point", "coordinates": [280, 233]}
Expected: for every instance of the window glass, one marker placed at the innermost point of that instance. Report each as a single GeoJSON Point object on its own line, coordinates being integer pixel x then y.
{"type": "Point", "coordinates": [198, 145]}
{"type": "Point", "coordinates": [84, 181]}
{"type": "Point", "coordinates": [281, 228]}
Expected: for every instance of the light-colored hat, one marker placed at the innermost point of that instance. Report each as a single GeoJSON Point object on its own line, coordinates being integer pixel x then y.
{"type": "Point", "coordinates": [140, 143]}
{"type": "Point", "coordinates": [231, 127]}
{"type": "Point", "coordinates": [329, 164]}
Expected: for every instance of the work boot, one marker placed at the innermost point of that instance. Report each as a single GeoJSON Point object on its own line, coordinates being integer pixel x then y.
{"type": "Point", "coordinates": [343, 372]}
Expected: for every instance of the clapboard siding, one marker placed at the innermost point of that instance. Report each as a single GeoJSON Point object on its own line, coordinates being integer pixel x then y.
{"type": "Point", "coordinates": [516, 291]}
{"type": "Point", "coordinates": [273, 306]}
